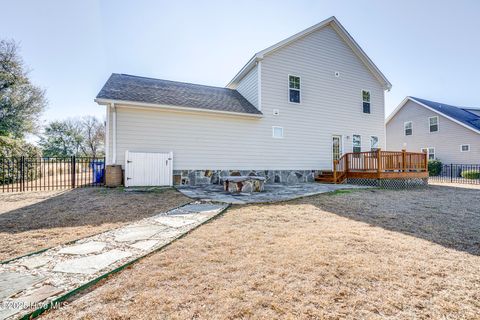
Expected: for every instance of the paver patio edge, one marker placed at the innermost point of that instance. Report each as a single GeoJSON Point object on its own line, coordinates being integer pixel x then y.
{"type": "Point", "coordinates": [71, 293]}
{"type": "Point", "coordinates": [75, 240]}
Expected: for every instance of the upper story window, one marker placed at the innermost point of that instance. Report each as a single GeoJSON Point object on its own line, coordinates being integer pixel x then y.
{"type": "Point", "coordinates": [357, 143]}
{"type": "Point", "coordinates": [373, 143]}
{"type": "Point", "coordinates": [277, 132]}
{"type": "Point", "coordinates": [465, 147]}
{"type": "Point", "coordinates": [408, 128]}
{"type": "Point", "coordinates": [433, 122]}
{"type": "Point", "coordinates": [366, 101]}
{"type": "Point", "coordinates": [294, 89]}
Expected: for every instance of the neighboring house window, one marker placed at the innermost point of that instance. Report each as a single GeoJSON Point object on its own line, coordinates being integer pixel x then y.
{"type": "Point", "coordinates": [294, 89]}
{"type": "Point", "coordinates": [366, 101]}
{"type": "Point", "coordinates": [408, 128]}
{"type": "Point", "coordinates": [430, 152]}
{"type": "Point", "coordinates": [373, 143]}
{"type": "Point", "coordinates": [357, 143]}
{"type": "Point", "coordinates": [277, 132]}
{"type": "Point", "coordinates": [433, 121]}
{"type": "Point", "coordinates": [465, 148]}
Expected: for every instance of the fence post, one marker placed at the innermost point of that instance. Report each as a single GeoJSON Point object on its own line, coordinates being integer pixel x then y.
{"type": "Point", "coordinates": [22, 173]}
{"type": "Point", "coordinates": [74, 175]}
{"type": "Point", "coordinates": [451, 172]}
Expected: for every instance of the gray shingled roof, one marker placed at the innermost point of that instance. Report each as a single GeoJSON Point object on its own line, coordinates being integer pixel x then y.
{"type": "Point", "coordinates": [148, 90]}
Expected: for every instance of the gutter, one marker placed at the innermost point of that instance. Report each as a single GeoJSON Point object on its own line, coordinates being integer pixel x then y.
{"type": "Point", "coordinates": [135, 104]}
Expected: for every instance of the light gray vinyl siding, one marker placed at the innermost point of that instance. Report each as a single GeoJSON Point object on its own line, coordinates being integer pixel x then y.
{"type": "Point", "coordinates": [329, 106]}
{"type": "Point", "coordinates": [446, 141]}
{"type": "Point", "coordinates": [248, 87]}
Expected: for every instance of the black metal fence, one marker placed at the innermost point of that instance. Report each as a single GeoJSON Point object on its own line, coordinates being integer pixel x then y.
{"type": "Point", "coordinates": [458, 173]}
{"type": "Point", "coordinates": [29, 174]}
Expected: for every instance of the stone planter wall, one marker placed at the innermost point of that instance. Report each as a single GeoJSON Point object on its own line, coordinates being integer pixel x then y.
{"type": "Point", "coordinates": [199, 177]}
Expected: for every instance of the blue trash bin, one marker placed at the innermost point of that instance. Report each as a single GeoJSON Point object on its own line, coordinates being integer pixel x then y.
{"type": "Point", "coordinates": [98, 171]}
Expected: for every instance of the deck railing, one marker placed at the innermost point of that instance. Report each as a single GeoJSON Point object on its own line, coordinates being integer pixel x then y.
{"type": "Point", "coordinates": [379, 163]}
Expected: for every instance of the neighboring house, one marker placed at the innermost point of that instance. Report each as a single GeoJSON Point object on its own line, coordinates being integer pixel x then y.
{"type": "Point", "coordinates": [448, 133]}
{"type": "Point", "coordinates": [291, 110]}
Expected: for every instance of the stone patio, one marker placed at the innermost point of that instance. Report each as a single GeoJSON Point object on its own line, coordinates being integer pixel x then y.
{"type": "Point", "coordinates": [271, 193]}
{"type": "Point", "coordinates": [30, 282]}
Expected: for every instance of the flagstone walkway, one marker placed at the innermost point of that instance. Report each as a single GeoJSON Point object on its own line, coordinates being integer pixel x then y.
{"type": "Point", "coordinates": [30, 282]}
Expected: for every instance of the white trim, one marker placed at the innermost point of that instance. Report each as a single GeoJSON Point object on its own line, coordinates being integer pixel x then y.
{"type": "Point", "coordinates": [404, 101]}
{"type": "Point", "coordinates": [461, 147]}
{"type": "Point", "coordinates": [429, 125]}
{"type": "Point", "coordinates": [170, 107]}
{"type": "Point", "coordinates": [273, 132]}
{"type": "Point", "coordinates": [114, 134]}
{"type": "Point", "coordinates": [428, 155]}
{"type": "Point", "coordinates": [299, 90]}
{"type": "Point", "coordinates": [405, 129]}
{"type": "Point", "coordinates": [107, 134]}
{"type": "Point", "coordinates": [259, 85]}
{"type": "Point", "coordinates": [341, 31]}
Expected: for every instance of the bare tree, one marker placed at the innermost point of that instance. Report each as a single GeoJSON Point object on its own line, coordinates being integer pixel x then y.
{"type": "Point", "coordinates": [94, 136]}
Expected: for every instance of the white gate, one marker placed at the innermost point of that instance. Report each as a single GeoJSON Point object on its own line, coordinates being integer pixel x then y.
{"type": "Point", "coordinates": [148, 169]}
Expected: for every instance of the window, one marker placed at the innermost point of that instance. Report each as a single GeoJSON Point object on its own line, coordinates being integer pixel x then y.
{"type": "Point", "coordinates": [294, 89]}
{"type": "Point", "coordinates": [366, 101]}
{"type": "Point", "coordinates": [373, 143]}
{"type": "Point", "coordinates": [430, 151]}
{"type": "Point", "coordinates": [357, 143]}
{"type": "Point", "coordinates": [433, 122]}
{"type": "Point", "coordinates": [465, 148]}
{"type": "Point", "coordinates": [408, 128]}
{"type": "Point", "coordinates": [277, 132]}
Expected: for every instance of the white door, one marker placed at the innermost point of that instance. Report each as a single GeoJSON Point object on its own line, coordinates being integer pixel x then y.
{"type": "Point", "coordinates": [148, 169]}
{"type": "Point", "coordinates": [336, 147]}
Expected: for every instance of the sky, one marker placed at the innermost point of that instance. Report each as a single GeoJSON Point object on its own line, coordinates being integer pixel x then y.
{"type": "Point", "coordinates": [427, 49]}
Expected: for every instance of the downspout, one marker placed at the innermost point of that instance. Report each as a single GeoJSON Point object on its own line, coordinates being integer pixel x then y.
{"type": "Point", "coordinates": [114, 134]}
{"type": "Point", "coordinates": [107, 134]}
{"type": "Point", "coordinates": [259, 85]}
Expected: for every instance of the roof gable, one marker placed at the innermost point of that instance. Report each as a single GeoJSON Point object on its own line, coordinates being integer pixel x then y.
{"type": "Point", "coordinates": [460, 115]}
{"type": "Point", "coordinates": [128, 88]}
{"type": "Point", "coordinates": [341, 31]}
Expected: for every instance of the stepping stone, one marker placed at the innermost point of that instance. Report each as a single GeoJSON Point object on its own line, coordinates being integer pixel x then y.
{"type": "Point", "coordinates": [14, 282]}
{"type": "Point", "coordinates": [91, 264]}
{"type": "Point", "coordinates": [145, 245]}
{"type": "Point", "coordinates": [196, 208]}
{"type": "Point", "coordinates": [33, 298]}
{"type": "Point", "coordinates": [135, 233]}
{"type": "Point", "coordinates": [84, 248]}
{"type": "Point", "coordinates": [174, 222]}
{"type": "Point", "coordinates": [34, 262]}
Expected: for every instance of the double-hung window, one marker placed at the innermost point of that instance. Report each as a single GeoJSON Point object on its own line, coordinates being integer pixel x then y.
{"type": "Point", "coordinates": [366, 101]}
{"type": "Point", "coordinates": [433, 123]}
{"type": "Point", "coordinates": [357, 143]}
{"type": "Point", "coordinates": [294, 89]}
{"type": "Point", "coordinates": [408, 128]}
{"type": "Point", "coordinates": [373, 143]}
{"type": "Point", "coordinates": [430, 151]}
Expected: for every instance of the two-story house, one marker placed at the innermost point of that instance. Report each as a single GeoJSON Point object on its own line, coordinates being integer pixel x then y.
{"type": "Point", "coordinates": [291, 110]}
{"type": "Point", "coordinates": [447, 133]}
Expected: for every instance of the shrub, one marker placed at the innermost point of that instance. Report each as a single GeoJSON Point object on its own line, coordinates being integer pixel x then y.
{"type": "Point", "coordinates": [471, 174]}
{"type": "Point", "coordinates": [434, 167]}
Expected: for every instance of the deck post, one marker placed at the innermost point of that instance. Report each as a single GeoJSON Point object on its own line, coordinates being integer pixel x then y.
{"type": "Point", "coordinates": [379, 162]}
{"type": "Point", "coordinates": [426, 161]}
{"type": "Point", "coordinates": [335, 171]}
{"type": "Point", "coordinates": [404, 158]}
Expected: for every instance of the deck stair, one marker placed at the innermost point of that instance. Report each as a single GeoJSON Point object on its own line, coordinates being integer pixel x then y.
{"type": "Point", "coordinates": [325, 177]}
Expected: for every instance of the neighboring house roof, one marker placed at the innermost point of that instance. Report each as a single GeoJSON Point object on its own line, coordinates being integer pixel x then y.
{"type": "Point", "coordinates": [342, 32]}
{"type": "Point", "coordinates": [124, 88]}
{"type": "Point", "coordinates": [460, 115]}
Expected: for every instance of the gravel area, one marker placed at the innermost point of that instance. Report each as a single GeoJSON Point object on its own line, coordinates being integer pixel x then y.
{"type": "Point", "coordinates": [352, 254]}
{"type": "Point", "coordinates": [31, 221]}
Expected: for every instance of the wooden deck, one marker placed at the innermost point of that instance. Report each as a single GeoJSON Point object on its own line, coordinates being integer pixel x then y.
{"type": "Point", "coordinates": [377, 165]}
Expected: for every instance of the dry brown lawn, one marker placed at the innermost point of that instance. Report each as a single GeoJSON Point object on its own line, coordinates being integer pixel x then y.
{"type": "Point", "coordinates": [368, 254]}
{"type": "Point", "coordinates": [31, 221]}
